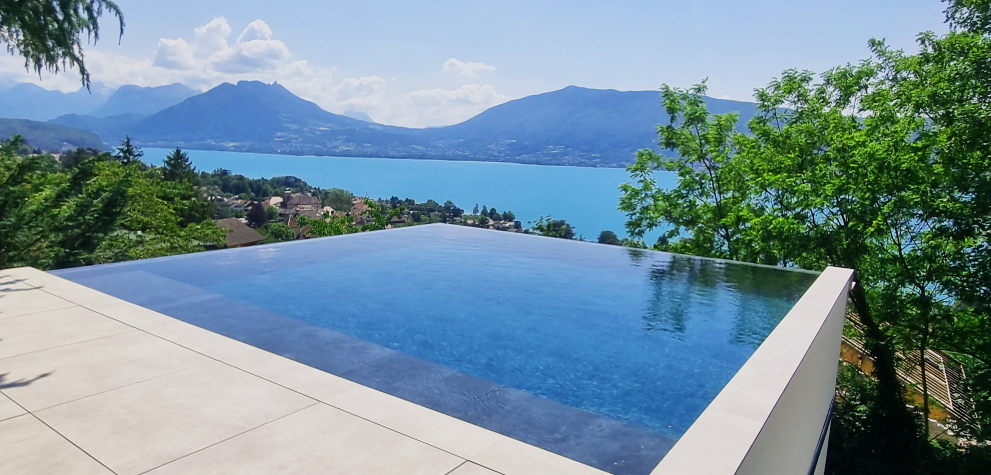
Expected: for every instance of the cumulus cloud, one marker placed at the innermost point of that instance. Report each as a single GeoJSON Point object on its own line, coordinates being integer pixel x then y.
{"type": "Point", "coordinates": [211, 56]}
{"type": "Point", "coordinates": [421, 108]}
{"type": "Point", "coordinates": [466, 70]}
{"type": "Point", "coordinates": [207, 59]}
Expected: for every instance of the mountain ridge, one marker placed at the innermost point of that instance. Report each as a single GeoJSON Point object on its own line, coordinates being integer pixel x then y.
{"type": "Point", "coordinates": [143, 100]}
{"type": "Point", "coordinates": [571, 126]}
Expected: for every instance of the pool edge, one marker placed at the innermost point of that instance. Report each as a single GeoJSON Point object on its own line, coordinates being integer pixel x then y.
{"type": "Point", "coordinates": [768, 419]}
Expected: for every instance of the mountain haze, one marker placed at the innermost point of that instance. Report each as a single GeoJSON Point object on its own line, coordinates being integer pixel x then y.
{"type": "Point", "coordinates": [49, 137]}
{"type": "Point", "coordinates": [577, 124]}
{"type": "Point", "coordinates": [572, 126]}
{"type": "Point", "coordinates": [143, 100]}
{"type": "Point", "coordinates": [28, 101]}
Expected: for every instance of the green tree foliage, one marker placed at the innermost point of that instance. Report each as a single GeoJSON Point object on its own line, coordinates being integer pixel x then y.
{"type": "Point", "coordinates": [333, 226]}
{"type": "Point", "coordinates": [257, 215]}
{"type": "Point", "coordinates": [705, 204]}
{"type": "Point", "coordinates": [54, 219]}
{"type": "Point", "coordinates": [632, 243]}
{"type": "Point", "coordinates": [128, 153]}
{"type": "Point", "coordinates": [73, 157]}
{"type": "Point", "coordinates": [48, 34]}
{"type": "Point", "coordinates": [337, 198]}
{"type": "Point", "coordinates": [375, 218]}
{"type": "Point", "coordinates": [177, 167]}
{"type": "Point", "coordinates": [880, 167]}
{"type": "Point", "coordinates": [272, 212]}
{"type": "Point", "coordinates": [608, 237]}
{"type": "Point", "coordinates": [508, 216]}
{"type": "Point", "coordinates": [98, 211]}
{"type": "Point", "coordinates": [280, 232]}
{"type": "Point", "coordinates": [550, 227]}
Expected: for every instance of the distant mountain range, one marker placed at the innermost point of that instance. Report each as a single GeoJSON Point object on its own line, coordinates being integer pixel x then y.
{"type": "Point", "coordinates": [49, 137]}
{"type": "Point", "coordinates": [28, 101]}
{"type": "Point", "coordinates": [143, 100]}
{"type": "Point", "coordinates": [572, 126]}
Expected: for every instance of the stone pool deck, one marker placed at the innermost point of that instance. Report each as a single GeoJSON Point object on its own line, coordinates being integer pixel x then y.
{"type": "Point", "coordinates": [91, 384]}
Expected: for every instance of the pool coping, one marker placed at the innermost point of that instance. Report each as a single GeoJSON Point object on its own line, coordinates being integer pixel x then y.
{"type": "Point", "coordinates": [768, 419]}
{"type": "Point", "coordinates": [728, 437]}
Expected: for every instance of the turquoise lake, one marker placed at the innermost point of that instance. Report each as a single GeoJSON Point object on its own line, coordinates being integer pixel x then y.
{"type": "Point", "coordinates": [586, 197]}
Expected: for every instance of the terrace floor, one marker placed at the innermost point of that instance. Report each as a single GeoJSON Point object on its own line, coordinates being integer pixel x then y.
{"type": "Point", "coordinates": [91, 384]}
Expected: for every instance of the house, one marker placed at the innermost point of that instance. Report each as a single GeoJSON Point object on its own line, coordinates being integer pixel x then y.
{"type": "Point", "coordinates": [297, 200]}
{"type": "Point", "coordinates": [275, 201]}
{"type": "Point", "coordinates": [240, 234]}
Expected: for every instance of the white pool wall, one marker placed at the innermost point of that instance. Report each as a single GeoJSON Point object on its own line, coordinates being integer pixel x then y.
{"type": "Point", "coordinates": [768, 420]}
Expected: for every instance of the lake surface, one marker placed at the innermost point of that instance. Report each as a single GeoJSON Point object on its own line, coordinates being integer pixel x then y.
{"type": "Point", "coordinates": [586, 197]}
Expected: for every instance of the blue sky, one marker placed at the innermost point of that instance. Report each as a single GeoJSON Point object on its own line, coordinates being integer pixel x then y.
{"type": "Point", "coordinates": [440, 62]}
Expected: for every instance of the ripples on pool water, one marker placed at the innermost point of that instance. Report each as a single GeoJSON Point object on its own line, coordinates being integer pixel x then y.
{"type": "Point", "coordinates": [645, 337]}
{"type": "Point", "coordinates": [641, 337]}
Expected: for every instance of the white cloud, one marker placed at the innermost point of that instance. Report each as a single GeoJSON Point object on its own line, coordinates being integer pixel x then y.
{"type": "Point", "coordinates": [466, 70]}
{"type": "Point", "coordinates": [211, 38]}
{"type": "Point", "coordinates": [422, 108]}
{"type": "Point", "coordinates": [207, 59]}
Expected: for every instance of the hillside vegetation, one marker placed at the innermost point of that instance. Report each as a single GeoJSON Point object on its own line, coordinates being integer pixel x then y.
{"type": "Point", "coordinates": [49, 137]}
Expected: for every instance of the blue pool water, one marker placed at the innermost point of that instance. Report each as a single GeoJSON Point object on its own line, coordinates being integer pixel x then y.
{"type": "Point", "coordinates": [600, 353]}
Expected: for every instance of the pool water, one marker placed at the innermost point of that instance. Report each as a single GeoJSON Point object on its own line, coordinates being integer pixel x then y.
{"type": "Point", "coordinates": [599, 353]}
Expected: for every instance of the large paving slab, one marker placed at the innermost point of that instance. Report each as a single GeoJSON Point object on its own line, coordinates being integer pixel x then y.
{"type": "Point", "coordinates": [54, 328]}
{"type": "Point", "coordinates": [317, 440]}
{"type": "Point", "coordinates": [9, 408]}
{"type": "Point", "coordinates": [139, 427]}
{"type": "Point", "coordinates": [91, 367]}
{"type": "Point", "coordinates": [30, 447]}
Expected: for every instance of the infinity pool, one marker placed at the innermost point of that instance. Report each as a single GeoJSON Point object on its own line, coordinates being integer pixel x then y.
{"type": "Point", "coordinates": [603, 354]}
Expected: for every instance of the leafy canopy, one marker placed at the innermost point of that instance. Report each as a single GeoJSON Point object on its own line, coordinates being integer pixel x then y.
{"type": "Point", "coordinates": [48, 34]}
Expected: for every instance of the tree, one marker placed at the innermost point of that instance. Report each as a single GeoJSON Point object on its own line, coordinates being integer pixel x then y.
{"type": "Point", "coordinates": [280, 232]}
{"type": "Point", "coordinates": [177, 167]}
{"type": "Point", "coordinates": [843, 171]}
{"type": "Point", "coordinates": [72, 158]}
{"type": "Point", "coordinates": [494, 215]}
{"type": "Point", "coordinates": [608, 237]}
{"type": "Point", "coordinates": [484, 211]}
{"type": "Point", "coordinates": [508, 216]}
{"type": "Point", "coordinates": [474, 210]}
{"type": "Point", "coordinates": [339, 199]}
{"type": "Point", "coordinates": [272, 212]}
{"type": "Point", "coordinates": [553, 228]}
{"type": "Point", "coordinates": [127, 153]}
{"type": "Point", "coordinates": [257, 215]}
{"type": "Point", "coordinates": [633, 243]}
{"type": "Point", "coordinates": [98, 211]}
{"type": "Point", "coordinates": [48, 34]}
{"type": "Point", "coordinates": [706, 202]}
{"type": "Point", "coordinates": [337, 225]}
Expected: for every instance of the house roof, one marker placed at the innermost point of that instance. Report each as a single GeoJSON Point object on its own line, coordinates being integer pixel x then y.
{"type": "Point", "coordinates": [240, 233]}
{"type": "Point", "coordinates": [297, 200]}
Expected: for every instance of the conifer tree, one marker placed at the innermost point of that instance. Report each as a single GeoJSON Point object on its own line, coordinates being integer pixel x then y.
{"type": "Point", "coordinates": [178, 167]}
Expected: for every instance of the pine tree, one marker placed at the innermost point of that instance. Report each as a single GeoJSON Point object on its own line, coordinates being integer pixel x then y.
{"type": "Point", "coordinates": [177, 167]}
{"type": "Point", "coordinates": [127, 153]}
